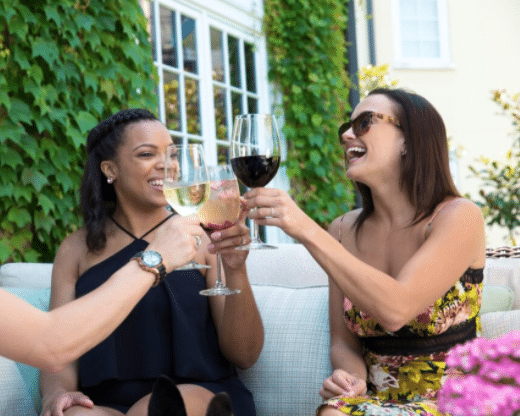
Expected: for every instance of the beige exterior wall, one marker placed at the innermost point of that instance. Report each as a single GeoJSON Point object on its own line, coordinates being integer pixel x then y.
{"type": "Point", "coordinates": [484, 54]}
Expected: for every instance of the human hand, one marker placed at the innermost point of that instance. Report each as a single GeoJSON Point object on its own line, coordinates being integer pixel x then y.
{"type": "Point", "coordinates": [227, 240]}
{"type": "Point", "coordinates": [176, 240]}
{"type": "Point", "coordinates": [344, 384]}
{"type": "Point", "coordinates": [56, 405]}
{"type": "Point", "coordinates": [276, 208]}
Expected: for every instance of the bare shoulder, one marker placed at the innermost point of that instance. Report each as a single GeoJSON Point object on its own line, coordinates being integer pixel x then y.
{"type": "Point", "coordinates": [461, 209]}
{"type": "Point", "coordinates": [343, 222]}
{"type": "Point", "coordinates": [70, 253]}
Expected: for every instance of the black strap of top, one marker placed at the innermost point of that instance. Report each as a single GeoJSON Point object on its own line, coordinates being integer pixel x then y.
{"type": "Point", "coordinates": [148, 232]}
{"type": "Point", "coordinates": [415, 345]}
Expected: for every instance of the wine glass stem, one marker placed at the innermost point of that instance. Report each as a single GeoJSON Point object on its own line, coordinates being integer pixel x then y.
{"type": "Point", "coordinates": [219, 270]}
{"type": "Point", "coordinates": [255, 237]}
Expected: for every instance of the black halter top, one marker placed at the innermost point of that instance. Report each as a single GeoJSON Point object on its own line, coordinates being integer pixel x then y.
{"type": "Point", "coordinates": [170, 331]}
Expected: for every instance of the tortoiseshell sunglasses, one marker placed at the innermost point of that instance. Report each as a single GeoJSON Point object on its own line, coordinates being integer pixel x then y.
{"type": "Point", "coordinates": [361, 124]}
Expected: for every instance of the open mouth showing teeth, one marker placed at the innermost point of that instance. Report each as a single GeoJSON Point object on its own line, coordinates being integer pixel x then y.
{"type": "Point", "coordinates": [356, 152]}
{"type": "Point", "coordinates": [156, 183]}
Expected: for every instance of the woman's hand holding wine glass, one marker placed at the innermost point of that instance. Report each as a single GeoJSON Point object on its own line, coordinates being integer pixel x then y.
{"type": "Point", "coordinates": [255, 157]}
{"type": "Point", "coordinates": [220, 214]}
{"type": "Point", "coordinates": [186, 183]}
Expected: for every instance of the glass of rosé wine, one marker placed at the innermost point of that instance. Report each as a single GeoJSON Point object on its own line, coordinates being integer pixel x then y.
{"type": "Point", "coordinates": [220, 211]}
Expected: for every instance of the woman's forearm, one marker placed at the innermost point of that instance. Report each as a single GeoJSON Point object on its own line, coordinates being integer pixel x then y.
{"type": "Point", "coordinates": [68, 331]}
{"type": "Point", "coordinates": [241, 329]}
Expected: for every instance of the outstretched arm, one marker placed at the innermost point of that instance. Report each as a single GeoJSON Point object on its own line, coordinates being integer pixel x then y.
{"type": "Point", "coordinates": [456, 241]}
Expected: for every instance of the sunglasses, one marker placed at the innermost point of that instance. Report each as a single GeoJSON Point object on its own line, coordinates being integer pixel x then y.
{"type": "Point", "coordinates": [361, 124]}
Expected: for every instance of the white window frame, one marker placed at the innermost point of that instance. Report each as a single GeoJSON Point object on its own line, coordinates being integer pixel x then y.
{"type": "Point", "coordinates": [443, 62]}
{"type": "Point", "coordinates": [205, 18]}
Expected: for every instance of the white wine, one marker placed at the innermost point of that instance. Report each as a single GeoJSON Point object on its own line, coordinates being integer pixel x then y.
{"type": "Point", "coordinates": [186, 199]}
{"type": "Point", "coordinates": [222, 209]}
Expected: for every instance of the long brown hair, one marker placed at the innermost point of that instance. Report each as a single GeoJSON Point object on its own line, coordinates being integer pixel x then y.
{"type": "Point", "coordinates": [425, 170]}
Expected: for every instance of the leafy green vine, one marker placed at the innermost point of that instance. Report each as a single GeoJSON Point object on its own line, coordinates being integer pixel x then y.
{"type": "Point", "coordinates": [306, 48]}
{"type": "Point", "coordinates": [63, 67]}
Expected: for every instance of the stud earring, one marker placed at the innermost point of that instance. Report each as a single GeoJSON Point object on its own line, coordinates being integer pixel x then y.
{"type": "Point", "coordinates": [403, 153]}
{"type": "Point", "coordinates": [110, 180]}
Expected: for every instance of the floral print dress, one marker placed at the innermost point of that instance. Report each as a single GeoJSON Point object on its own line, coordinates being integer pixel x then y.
{"type": "Point", "coordinates": [406, 368]}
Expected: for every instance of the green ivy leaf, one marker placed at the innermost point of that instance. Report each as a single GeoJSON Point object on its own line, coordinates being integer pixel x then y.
{"type": "Point", "coordinates": [19, 216]}
{"type": "Point", "coordinates": [48, 50]}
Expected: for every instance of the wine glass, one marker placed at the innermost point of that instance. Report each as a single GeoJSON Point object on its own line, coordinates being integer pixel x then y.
{"type": "Point", "coordinates": [186, 184]}
{"type": "Point", "coordinates": [220, 211]}
{"type": "Point", "coordinates": [255, 157]}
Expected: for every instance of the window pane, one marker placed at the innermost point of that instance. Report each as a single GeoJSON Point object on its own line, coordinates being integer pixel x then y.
{"type": "Point", "coordinates": [217, 55]}
{"type": "Point", "coordinates": [168, 37]}
{"type": "Point", "coordinates": [430, 31]}
{"type": "Point", "coordinates": [189, 44]}
{"type": "Point", "coordinates": [194, 141]}
{"type": "Point", "coordinates": [222, 154]}
{"type": "Point", "coordinates": [252, 105]}
{"type": "Point", "coordinates": [411, 49]}
{"type": "Point", "coordinates": [234, 61]}
{"type": "Point", "coordinates": [430, 49]}
{"type": "Point", "coordinates": [171, 101]}
{"type": "Point", "coordinates": [250, 67]}
{"type": "Point", "coordinates": [192, 105]}
{"type": "Point", "coordinates": [219, 95]}
{"type": "Point", "coordinates": [409, 9]}
{"type": "Point", "coordinates": [177, 140]}
{"type": "Point", "coordinates": [410, 30]}
{"type": "Point", "coordinates": [236, 103]}
{"type": "Point", "coordinates": [429, 10]}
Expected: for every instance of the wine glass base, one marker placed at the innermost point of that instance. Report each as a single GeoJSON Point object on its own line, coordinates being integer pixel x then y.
{"type": "Point", "coordinates": [218, 291]}
{"type": "Point", "coordinates": [192, 265]}
{"type": "Point", "coordinates": [256, 246]}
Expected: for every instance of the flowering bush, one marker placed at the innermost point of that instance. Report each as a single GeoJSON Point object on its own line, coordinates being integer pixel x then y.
{"type": "Point", "coordinates": [486, 378]}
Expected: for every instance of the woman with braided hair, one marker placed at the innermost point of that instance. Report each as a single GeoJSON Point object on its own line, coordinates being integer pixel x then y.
{"type": "Point", "coordinates": [173, 334]}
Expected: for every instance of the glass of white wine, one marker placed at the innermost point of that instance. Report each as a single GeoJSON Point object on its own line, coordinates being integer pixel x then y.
{"type": "Point", "coordinates": [186, 183]}
{"type": "Point", "coordinates": [221, 211]}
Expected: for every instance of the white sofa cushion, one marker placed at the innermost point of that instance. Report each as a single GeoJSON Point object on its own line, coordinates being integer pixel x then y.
{"type": "Point", "coordinates": [499, 323]}
{"type": "Point", "coordinates": [296, 349]}
{"type": "Point", "coordinates": [14, 400]}
{"type": "Point", "coordinates": [26, 274]}
{"type": "Point", "coordinates": [496, 298]}
{"type": "Point", "coordinates": [504, 272]}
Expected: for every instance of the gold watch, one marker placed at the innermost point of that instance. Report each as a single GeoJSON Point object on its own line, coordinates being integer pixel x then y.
{"type": "Point", "coordinates": [151, 261]}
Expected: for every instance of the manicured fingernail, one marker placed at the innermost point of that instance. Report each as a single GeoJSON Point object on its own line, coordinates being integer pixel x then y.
{"type": "Point", "coordinates": [216, 235]}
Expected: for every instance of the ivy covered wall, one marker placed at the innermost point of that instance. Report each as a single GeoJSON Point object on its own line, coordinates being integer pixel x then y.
{"type": "Point", "coordinates": [64, 66]}
{"type": "Point", "coordinates": [307, 57]}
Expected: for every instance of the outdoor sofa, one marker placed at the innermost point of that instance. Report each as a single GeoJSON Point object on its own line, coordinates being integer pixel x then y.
{"type": "Point", "coordinates": [291, 292]}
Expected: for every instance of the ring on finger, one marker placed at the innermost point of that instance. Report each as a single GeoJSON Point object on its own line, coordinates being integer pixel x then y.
{"type": "Point", "coordinates": [198, 240]}
{"type": "Point", "coordinates": [244, 240]}
{"type": "Point", "coordinates": [272, 211]}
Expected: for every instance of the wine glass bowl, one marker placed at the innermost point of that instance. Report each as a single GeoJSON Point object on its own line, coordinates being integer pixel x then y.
{"type": "Point", "coordinates": [186, 183]}
{"type": "Point", "coordinates": [220, 211]}
{"type": "Point", "coordinates": [255, 157]}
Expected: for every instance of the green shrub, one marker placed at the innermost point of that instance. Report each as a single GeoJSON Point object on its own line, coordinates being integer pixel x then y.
{"type": "Point", "coordinates": [501, 178]}
{"type": "Point", "coordinates": [306, 48]}
{"type": "Point", "coordinates": [64, 66]}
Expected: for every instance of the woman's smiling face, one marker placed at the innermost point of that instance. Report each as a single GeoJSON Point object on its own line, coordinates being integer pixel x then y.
{"type": "Point", "coordinates": [138, 169]}
{"type": "Point", "coordinates": [379, 150]}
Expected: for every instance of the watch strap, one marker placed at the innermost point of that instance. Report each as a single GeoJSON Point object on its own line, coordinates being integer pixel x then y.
{"type": "Point", "coordinates": [159, 270]}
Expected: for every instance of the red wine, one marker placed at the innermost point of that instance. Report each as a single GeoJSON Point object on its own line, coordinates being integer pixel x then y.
{"type": "Point", "coordinates": [255, 171]}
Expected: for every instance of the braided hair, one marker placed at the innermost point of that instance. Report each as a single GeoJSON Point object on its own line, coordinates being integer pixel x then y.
{"type": "Point", "coordinates": [98, 198]}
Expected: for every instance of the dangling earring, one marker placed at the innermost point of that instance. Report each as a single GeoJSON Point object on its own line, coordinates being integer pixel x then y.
{"type": "Point", "coordinates": [110, 180]}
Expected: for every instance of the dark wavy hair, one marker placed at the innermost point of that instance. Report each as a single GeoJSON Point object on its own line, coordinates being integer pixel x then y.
{"type": "Point", "coordinates": [98, 198]}
{"type": "Point", "coordinates": [425, 170]}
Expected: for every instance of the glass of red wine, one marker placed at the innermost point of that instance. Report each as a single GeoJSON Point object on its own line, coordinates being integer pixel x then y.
{"type": "Point", "coordinates": [255, 157]}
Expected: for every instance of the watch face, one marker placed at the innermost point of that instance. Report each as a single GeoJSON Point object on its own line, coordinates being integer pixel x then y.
{"type": "Point", "coordinates": [151, 258]}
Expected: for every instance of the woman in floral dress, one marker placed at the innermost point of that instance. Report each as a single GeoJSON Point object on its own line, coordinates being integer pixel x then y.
{"type": "Point", "coordinates": [405, 270]}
